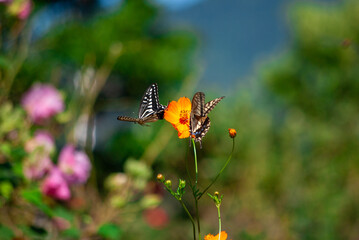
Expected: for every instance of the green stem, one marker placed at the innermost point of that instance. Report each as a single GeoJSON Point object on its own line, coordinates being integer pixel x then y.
{"type": "Point", "coordinates": [187, 170]}
{"type": "Point", "coordinates": [219, 223]}
{"type": "Point", "coordinates": [195, 160]}
{"type": "Point", "coordinates": [198, 222]}
{"type": "Point", "coordinates": [220, 172]}
{"type": "Point", "coordinates": [190, 217]}
{"type": "Point", "coordinates": [194, 190]}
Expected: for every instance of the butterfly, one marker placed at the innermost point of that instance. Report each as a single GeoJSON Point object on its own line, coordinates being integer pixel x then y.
{"type": "Point", "coordinates": [199, 121]}
{"type": "Point", "coordinates": [150, 108]}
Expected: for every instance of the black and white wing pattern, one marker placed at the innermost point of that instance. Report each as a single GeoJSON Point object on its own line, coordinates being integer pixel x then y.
{"type": "Point", "coordinates": [210, 105]}
{"type": "Point", "coordinates": [199, 121]}
{"type": "Point", "coordinates": [150, 109]}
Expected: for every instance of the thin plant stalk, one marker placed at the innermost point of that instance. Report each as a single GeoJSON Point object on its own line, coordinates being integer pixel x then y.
{"type": "Point", "coordinates": [220, 172]}
{"type": "Point", "coordinates": [194, 190]}
{"type": "Point", "coordinates": [195, 160]}
{"type": "Point", "coordinates": [190, 217]}
{"type": "Point", "coordinates": [187, 170]}
{"type": "Point", "coordinates": [219, 222]}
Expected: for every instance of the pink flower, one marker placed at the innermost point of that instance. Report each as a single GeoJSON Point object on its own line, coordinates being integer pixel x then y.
{"type": "Point", "coordinates": [75, 165]}
{"type": "Point", "coordinates": [25, 10]}
{"type": "Point", "coordinates": [34, 170]}
{"type": "Point", "coordinates": [42, 140]}
{"type": "Point", "coordinates": [19, 8]}
{"type": "Point", "coordinates": [55, 185]}
{"type": "Point", "coordinates": [41, 102]}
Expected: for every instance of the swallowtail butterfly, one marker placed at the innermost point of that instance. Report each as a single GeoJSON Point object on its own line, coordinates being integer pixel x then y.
{"type": "Point", "coordinates": [199, 121]}
{"type": "Point", "coordinates": [150, 108]}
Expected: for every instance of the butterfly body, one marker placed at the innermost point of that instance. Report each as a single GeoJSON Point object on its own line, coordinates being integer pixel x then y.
{"type": "Point", "coordinates": [199, 121]}
{"type": "Point", "coordinates": [150, 109]}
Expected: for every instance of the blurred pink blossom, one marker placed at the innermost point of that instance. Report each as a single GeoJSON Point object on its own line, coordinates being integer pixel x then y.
{"type": "Point", "coordinates": [56, 186]}
{"type": "Point", "coordinates": [25, 10]}
{"type": "Point", "coordinates": [42, 139]}
{"type": "Point", "coordinates": [5, 1]}
{"type": "Point", "coordinates": [75, 165]}
{"type": "Point", "coordinates": [42, 101]}
{"type": "Point", "coordinates": [34, 170]}
{"type": "Point", "coordinates": [19, 8]}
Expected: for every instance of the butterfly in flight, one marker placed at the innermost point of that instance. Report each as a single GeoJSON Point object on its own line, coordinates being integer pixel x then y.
{"type": "Point", "coordinates": [150, 108]}
{"type": "Point", "coordinates": [199, 121]}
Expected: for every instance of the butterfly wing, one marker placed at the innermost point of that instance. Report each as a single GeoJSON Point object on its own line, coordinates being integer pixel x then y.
{"type": "Point", "coordinates": [210, 105]}
{"type": "Point", "coordinates": [200, 122]}
{"type": "Point", "coordinates": [202, 130]}
{"type": "Point", "coordinates": [150, 109]}
{"type": "Point", "coordinates": [148, 102]}
{"type": "Point", "coordinates": [128, 119]}
{"type": "Point", "coordinates": [198, 104]}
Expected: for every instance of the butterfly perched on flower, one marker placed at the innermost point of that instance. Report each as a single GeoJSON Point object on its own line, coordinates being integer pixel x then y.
{"type": "Point", "coordinates": [150, 108]}
{"type": "Point", "coordinates": [199, 121]}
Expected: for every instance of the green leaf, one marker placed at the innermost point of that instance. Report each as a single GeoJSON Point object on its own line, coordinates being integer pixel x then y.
{"type": "Point", "coordinates": [6, 189]}
{"type": "Point", "coordinates": [34, 196]}
{"type": "Point", "coordinates": [110, 231]}
{"type": "Point", "coordinates": [17, 168]}
{"type": "Point", "coordinates": [63, 213]}
{"type": "Point", "coordinates": [6, 233]}
{"type": "Point", "coordinates": [71, 233]}
{"type": "Point", "coordinates": [4, 62]}
{"type": "Point", "coordinates": [5, 149]}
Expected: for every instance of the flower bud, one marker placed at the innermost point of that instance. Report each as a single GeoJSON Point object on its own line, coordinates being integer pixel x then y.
{"type": "Point", "coordinates": [232, 132]}
{"type": "Point", "coordinates": [160, 177]}
{"type": "Point", "coordinates": [216, 193]}
{"type": "Point", "coordinates": [168, 183]}
{"type": "Point", "coordinates": [182, 184]}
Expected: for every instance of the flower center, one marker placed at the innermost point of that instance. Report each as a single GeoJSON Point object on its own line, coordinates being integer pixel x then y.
{"type": "Point", "coordinates": [183, 117]}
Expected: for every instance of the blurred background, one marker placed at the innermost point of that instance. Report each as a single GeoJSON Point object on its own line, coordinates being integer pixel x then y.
{"type": "Point", "coordinates": [290, 74]}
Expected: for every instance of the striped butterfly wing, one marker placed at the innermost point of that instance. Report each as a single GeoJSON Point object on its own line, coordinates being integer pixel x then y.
{"type": "Point", "coordinates": [150, 109]}
{"type": "Point", "coordinates": [199, 122]}
{"type": "Point", "coordinates": [161, 111]}
{"type": "Point", "coordinates": [201, 129]}
{"type": "Point", "coordinates": [128, 119]}
{"type": "Point", "coordinates": [149, 102]}
{"type": "Point", "coordinates": [210, 105]}
{"type": "Point", "coordinates": [198, 104]}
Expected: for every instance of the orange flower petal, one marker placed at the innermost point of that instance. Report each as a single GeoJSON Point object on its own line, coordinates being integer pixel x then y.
{"type": "Point", "coordinates": [178, 113]}
{"type": "Point", "coordinates": [184, 134]}
{"type": "Point", "coordinates": [232, 132]}
{"type": "Point", "coordinates": [211, 237]}
{"type": "Point", "coordinates": [185, 104]}
{"type": "Point", "coordinates": [172, 112]}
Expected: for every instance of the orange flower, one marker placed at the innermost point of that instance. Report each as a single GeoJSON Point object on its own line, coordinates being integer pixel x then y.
{"type": "Point", "coordinates": [178, 114]}
{"type": "Point", "coordinates": [211, 237]}
{"type": "Point", "coordinates": [232, 132]}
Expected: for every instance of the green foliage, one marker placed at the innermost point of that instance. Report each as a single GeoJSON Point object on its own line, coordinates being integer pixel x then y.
{"type": "Point", "coordinates": [6, 233]}
{"type": "Point", "coordinates": [71, 233]}
{"type": "Point", "coordinates": [34, 196]}
{"type": "Point", "coordinates": [110, 231]}
{"type": "Point", "coordinates": [319, 75]}
{"type": "Point", "coordinates": [139, 172]}
{"type": "Point", "coordinates": [63, 213]}
{"type": "Point", "coordinates": [6, 189]}
{"type": "Point", "coordinates": [148, 56]}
